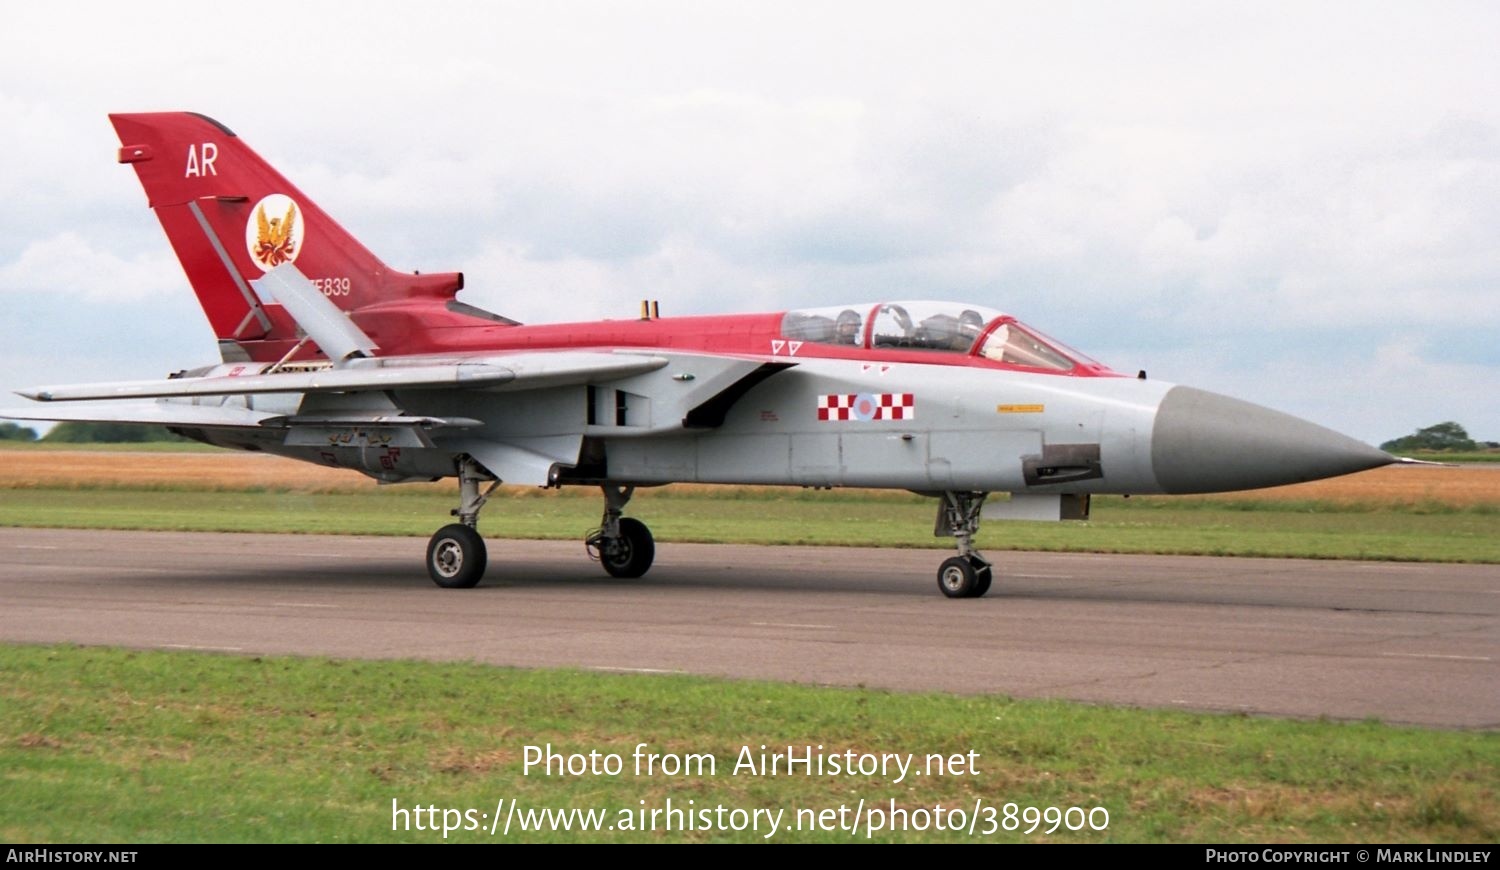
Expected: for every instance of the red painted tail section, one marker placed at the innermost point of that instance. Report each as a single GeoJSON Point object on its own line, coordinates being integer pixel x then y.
{"type": "Point", "coordinates": [231, 217]}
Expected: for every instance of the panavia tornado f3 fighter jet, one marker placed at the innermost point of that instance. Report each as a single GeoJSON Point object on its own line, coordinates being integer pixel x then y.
{"type": "Point", "coordinates": [332, 357]}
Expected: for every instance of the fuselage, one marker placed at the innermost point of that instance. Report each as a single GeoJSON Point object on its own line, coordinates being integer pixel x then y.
{"type": "Point", "coordinates": [921, 405]}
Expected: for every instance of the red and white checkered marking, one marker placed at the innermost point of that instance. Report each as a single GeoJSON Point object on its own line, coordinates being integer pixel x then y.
{"type": "Point", "coordinates": [867, 406]}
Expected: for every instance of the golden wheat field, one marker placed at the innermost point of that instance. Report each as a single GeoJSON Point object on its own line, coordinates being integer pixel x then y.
{"type": "Point", "coordinates": [21, 469]}
{"type": "Point", "coordinates": [1397, 486]}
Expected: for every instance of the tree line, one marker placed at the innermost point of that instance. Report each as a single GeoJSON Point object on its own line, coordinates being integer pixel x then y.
{"type": "Point", "coordinates": [1448, 436]}
{"type": "Point", "coordinates": [89, 433]}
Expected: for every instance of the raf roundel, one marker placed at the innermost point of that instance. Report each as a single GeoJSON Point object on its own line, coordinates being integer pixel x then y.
{"type": "Point", "coordinates": [273, 234]}
{"type": "Point", "coordinates": [864, 407]}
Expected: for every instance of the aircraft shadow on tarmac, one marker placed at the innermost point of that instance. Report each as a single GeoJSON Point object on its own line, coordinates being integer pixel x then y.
{"type": "Point", "coordinates": [579, 577]}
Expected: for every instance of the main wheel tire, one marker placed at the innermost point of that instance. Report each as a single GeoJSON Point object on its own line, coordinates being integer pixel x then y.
{"type": "Point", "coordinates": [631, 554]}
{"type": "Point", "coordinates": [957, 577]}
{"type": "Point", "coordinates": [456, 557]}
{"type": "Point", "coordinates": [965, 577]}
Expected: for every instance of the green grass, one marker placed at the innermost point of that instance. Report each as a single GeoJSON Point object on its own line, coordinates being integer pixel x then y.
{"type": "Point", "coordinates": [1138, 525]}
{"type": "Point", "coordinates": [100, 745]}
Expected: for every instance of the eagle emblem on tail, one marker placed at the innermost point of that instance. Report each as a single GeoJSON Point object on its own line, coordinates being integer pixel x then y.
{"type": "Point", "coordinates": [274, 243]}
{"type": "Point", "coordinates": [273, 235]}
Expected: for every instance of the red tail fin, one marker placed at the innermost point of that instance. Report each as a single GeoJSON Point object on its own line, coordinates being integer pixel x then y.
{"type": "Point", "coordinates": [231, 217]}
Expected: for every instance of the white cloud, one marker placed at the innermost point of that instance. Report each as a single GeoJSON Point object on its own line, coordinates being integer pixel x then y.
{"type": "Point", "coordinates": [67, 265]}
{"type": "Point", "coordinates": [1211, 190]}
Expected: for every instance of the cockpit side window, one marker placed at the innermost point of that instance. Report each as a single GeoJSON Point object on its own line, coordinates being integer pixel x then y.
{"type": "Point", "coordinates": [947, 327]}
{"type": "Point", "coordinates": [1011, 343]}
{"type": "Point", "coordinates": [940, 327]}
{"type": "Point", "coordinates": [927, 326]}
{"type": "Point", "coordinates": [843, 326]}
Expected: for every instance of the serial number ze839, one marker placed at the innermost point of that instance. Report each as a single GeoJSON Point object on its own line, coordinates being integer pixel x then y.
{"type": "Point", "coordinates": [333, 286]}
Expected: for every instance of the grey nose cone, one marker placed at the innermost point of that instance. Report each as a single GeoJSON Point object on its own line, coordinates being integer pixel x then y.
{"type": "Point", "coordinates": [1204, 442]}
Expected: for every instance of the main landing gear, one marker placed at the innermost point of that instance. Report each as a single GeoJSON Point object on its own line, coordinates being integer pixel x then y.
{"type": "Point", "coordinates": [968, 574]}
{"type": "Point", "coordinates": [456, 555]}
{"type": "Point", "coordinates": [623, 545]}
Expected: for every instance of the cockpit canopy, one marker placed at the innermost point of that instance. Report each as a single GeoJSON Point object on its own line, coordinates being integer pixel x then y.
{"type": "Point", "coordinates": [944, 327]}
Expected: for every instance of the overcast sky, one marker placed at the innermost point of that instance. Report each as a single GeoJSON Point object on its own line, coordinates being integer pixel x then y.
{"type": "Point", "coordinates": [1295, 204]}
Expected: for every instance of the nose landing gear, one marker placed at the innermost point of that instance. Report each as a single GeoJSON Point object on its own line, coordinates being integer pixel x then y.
{"type": "Point", "coordinates": [968, 574]}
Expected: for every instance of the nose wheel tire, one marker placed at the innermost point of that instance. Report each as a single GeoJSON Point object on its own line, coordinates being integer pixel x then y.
{"type": "Point", "coordinates": [456, 557]}
{"type": "Point", "coordinates": [630, 555]}
{"type": "Point", "coordinates": [964, 577]}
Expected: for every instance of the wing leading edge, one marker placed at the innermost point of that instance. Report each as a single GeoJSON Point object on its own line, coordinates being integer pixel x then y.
{"type": "Point", "coordinates": [512, 372]}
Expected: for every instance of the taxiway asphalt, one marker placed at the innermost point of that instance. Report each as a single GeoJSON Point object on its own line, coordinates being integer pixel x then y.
{"type": "Point", "coordinates": [1415, 643]}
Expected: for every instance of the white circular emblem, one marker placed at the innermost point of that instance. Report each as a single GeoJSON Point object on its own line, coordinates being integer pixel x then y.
{"type": "Point", "coordinates": [865, 406]}
{"type": "Point", "coordinates": [273, 234]}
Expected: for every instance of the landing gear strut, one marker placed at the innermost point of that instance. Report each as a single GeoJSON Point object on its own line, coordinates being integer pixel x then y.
{"type": "Point", "coordinates": [968, 574]}
{"type": "Point", "coordinates": [623, 545]}
{"type": "Point", "coordinates": [456, 555]}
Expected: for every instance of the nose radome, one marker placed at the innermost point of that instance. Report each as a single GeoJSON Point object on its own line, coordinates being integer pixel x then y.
{"type": "Point", "coordinates": [1205, 442]}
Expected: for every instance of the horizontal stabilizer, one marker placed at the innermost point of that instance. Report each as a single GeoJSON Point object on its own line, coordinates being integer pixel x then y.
{"type": "Point", "coordinates": [144, 413]}
{"type": "Point", "coordinates": [516, 371]}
